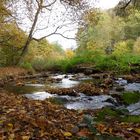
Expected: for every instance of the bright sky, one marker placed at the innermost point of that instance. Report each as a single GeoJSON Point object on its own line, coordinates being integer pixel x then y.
{"type": "Point", "coordinates": [106, 4]}
{"type": "Point", "coordinates": [66, 43]}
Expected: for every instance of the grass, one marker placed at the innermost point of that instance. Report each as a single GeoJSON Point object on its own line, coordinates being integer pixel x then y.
{"type": "Point", "coordinates": [130, 118]}
{"type": "Point", "coordinates": [112, 113]}
{"type": "Point", "coordinates": [101, 62]}
{"type": "Point", "coordinates": [116, 114]}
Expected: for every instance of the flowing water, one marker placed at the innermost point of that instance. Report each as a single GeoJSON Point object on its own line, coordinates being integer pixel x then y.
{"type": "Point", "coordinates": [37, 92]}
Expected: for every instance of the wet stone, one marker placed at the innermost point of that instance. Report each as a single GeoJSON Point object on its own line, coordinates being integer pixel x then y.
{"type": "Point", "coordinates": [121, 81]}
{"type": "Point", "coordinates": [82, 125]}
{"type": "Point", "coordinates": [111, 100]}
{"type": "Point", "coordinates": [134, 109]}
{"type": "Point", "coordinates": [119, 88]}
{"type": "Point", "coordinates": [75, 130]}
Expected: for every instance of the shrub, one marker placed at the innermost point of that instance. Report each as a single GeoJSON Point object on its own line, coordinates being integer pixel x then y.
{"type": "Point", "coordinates": [136, 48]}
{"type": "Point", "coordinates": [121, 49]}
{"type": "Point", "coordinates": [27, 65]}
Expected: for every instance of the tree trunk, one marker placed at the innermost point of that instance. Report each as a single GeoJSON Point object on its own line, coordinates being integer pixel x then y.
{"type": "Point", "coordinates": [30, 36]}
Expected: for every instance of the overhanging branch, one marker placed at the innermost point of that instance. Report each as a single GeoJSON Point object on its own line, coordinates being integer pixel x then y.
{"type": "Point", "coordinates": [39, 39]}
{"type": "Point", "coordinates": [45, 6]}
{"type": "Point", "coordinates": [126, 5]}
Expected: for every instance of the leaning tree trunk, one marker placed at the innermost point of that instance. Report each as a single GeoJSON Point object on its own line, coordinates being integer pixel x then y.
{"type": "Point", "coordinates": [30, 36]}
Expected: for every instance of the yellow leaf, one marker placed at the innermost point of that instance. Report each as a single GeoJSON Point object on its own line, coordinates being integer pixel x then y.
{"type": "Point", "coordinates": [67, 134]}
{"type": "Point", "coordinates": [1, 122]}
{"type": "Point", "coordinates": [110, 130]}
{"type": "Point", "coordinates": [10, 125]}
{"type": "Point", "coordinates": [137, 130]}
{"type": "Point", "coordinates": [25, 137]}
{"type": "Point", "coordinates": [11, 137]}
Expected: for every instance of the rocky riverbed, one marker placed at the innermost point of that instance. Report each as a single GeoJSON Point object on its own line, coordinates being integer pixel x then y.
{"type": "Point", "coordinates": [76, 91]}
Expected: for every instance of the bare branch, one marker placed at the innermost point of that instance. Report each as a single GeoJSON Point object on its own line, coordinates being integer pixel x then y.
{"type": "Point", "coordinates": [65, 36]}
{"type": "Point", "coordinates": [38, 3]}
{"type": "Point", "coordinates": [126, 5]}
{"type": "Point", "coordinates": [36, 39]}
{"type": "Point", "coordinates": [69, 30]}
{"type": "Point", "coordinates": [53, 33]}
{"type": "Point", "coordinates": [45, 6]}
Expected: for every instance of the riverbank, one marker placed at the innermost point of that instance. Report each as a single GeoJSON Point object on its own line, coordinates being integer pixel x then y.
{"type": "Point", "coordinates": [8, 74]}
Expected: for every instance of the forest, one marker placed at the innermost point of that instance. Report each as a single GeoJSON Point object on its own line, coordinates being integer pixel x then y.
{"type": "Point", "coordinates": [87, 92]}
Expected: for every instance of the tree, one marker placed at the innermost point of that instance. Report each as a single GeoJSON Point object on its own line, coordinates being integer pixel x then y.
{"type": "Point", "coordinates": [4, 12]}
{"type": "Point", "coordinates": [12, 37]}
{"type": "Point", "coordinates": [124, 6]}
{"type": "Point", "coordinates": [5, 18]}
{"type": "Point", "coordinates": [12, 40]}
{"type": "Point", "coordinates": [132, 25]}
{"type": "Point", "coordinates": [36, 10]}
{"type": "Point", "coordinates": [100, 35]}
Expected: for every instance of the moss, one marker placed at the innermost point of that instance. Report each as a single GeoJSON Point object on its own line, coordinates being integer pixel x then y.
{"type": "Point", "coordinates": [130, 97]}
{"type": "Point", "coordinates": [112, 113]}
{"type": "Point", "coordinates": [134, 119]}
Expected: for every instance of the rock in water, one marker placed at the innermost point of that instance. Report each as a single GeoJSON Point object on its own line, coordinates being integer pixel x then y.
{"type": "Point", "coordinates": [134, 109]}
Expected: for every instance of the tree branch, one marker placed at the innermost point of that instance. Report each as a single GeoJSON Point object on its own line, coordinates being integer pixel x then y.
{"type": "Point", "coordinates": [53, 33]}
{"type": "Point", "coordinates": [126, 5]}
{"type": "Point", "coordinates": [45, 6]}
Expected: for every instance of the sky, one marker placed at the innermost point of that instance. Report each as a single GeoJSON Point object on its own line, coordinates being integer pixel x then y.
{"type": "Point", "coordinates": [106, 4]}
{"type": "Point", "coordinates": [68, 43]}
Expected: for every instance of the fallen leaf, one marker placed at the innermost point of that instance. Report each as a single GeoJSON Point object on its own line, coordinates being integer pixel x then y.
{"type": "Point", "coordinates": [110, 130]}
{"type": "Point", "coordinates": [101, 127]}
{"type": "Point", "coordinates": [83, 133]}
{"type": "Point", "coordinates": [11, 137]}
{"type": "Point", "coordinates": [10, 125]}
{"type": "Point", "coordinates": [67, 134]}
{"type": "Point", "coordinates": [137, 130]}
{"type": "Point", "coordinates": [25, 137]}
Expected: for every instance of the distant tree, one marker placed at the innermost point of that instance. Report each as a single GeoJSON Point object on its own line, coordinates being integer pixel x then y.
{"type": "Point", "coordinates": [102, 33]}
{"type": "Point", "coordinates": [132, 25]}
{"type": "Point", "coordinates": [123, 7]}
{"type": "Point", "coordinates": [69, 53]}
{"type": "Point", "coordinates": [58, 48]}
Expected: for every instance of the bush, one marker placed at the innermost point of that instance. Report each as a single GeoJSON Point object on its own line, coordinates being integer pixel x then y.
{"type": "Point", "coordinates": [43, 64]}
{"type": "Point", "coordinates": [136, 48]}
{"type": "Point", "coordinates": [121, 49]}
{"type": "Point", "coordinates": [118, 63]}
{"type": "Point", "coordinates": [39, 64]}
{"type": "Point", "coordinates": [27, 65]}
